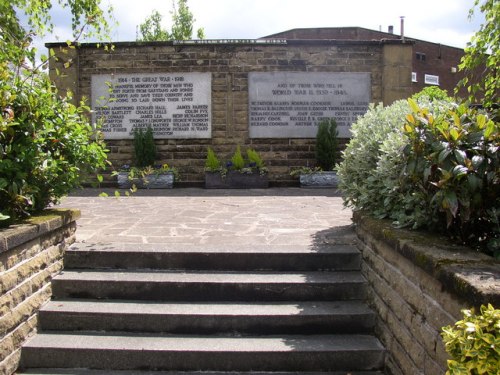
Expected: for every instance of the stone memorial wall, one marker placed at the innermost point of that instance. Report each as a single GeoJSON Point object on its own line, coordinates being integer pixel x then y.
{"type": "Point", "coordinates": [291, 104]}
{"type": "Point", "coordinates": [175, 106]}
{"type": "Point", "coordinates": [265, 94]}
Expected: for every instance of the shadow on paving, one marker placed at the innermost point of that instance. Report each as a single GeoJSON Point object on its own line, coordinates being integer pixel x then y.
{"type": "Point", "coordinates": [200, 192]}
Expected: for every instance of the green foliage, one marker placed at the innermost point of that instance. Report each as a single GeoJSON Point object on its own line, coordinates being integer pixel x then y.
{"type": "Point", "coordinates": [432, 93]}
{"type": "Point", "coordinates": [144, 148]}
{"type": "Point", "coordinates": [183, 20]}
{"type": "Point", "coordinates": [440, 171]}
{"type": "Point", "coordinates": [483, 51]}
{"type": "Point", "coordinates": [254, 159]}
{"type": "Point", "coordinates": [212, 164]}
{"type": "Point", "coordinates": [326, 144]}
{"type": "Point", "coordinates": [254, 162]}
{"type": "Point", "coordinates": [46, 144]}
{"type": "Point", "coordinates": [151, 29]}
{"type": "Point", "coordinates": [135, 173]}
{"type": "Point", "coordinates": [474, 343]}
{"type": "Point", "coordinates": [362, 188]}
{"type": "Point", "coordinates": [453, 161]}
{"type": "Point", "coordinates": [238, 163]}
{"type": "Point", "coordinates": [182, 25]}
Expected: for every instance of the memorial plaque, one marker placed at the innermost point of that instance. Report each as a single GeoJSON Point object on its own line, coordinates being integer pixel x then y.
{"type": "Point", "coordinates": [174, 105]}
{"type": "Point", "coordinates": [290, 104]}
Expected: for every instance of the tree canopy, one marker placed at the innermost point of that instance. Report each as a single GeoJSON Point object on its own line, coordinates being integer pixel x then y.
{"type": "Point", "coordinates": [46, 142]}
{"type": "Point", "coordinates": [182, 25]}
{"type": "Point", "coordinates": [481, 62]}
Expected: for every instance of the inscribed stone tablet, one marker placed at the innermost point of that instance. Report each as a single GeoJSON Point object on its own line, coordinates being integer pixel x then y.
{"type": "Point", "coordinates": [290, 104]}
{"type": "Point", "coordinates": [174, 105]}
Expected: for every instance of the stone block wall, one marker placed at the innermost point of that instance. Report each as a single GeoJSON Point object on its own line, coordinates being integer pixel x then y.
{"type": "Point", "coordinates": [30, 255]}
{"type": "Point", "coordinates": [388, 62]}
{"type": "Point", "coordinates": [418, 284]}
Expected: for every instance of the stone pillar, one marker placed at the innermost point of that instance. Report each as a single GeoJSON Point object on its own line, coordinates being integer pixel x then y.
{"type": "Point", "coordinates": [396, 72]}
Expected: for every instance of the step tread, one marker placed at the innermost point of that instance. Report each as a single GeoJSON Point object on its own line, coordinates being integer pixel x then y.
{"type": "Point", "coordinates": [328, 248]}
{"type": "Point", "coordinates": [215, 277]}
{"type": "Point", "coordinates": [302, 308]}
{"type": "Point", "coordinates": [54, 371]}
{"type": "Point", "coordinates": [84, 371]}
{"type": "Point", "coordinates": [220, 344]}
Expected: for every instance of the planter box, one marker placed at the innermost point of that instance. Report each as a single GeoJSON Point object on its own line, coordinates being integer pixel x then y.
{"type": "Point", "coordinates": [319, 180]}
{"type": "Point", "coordinates": [151, 181]}
{"type": "Point", "coordinates": [236, 180]}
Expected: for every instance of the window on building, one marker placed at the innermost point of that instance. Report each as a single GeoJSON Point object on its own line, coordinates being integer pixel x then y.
{"type": "Point", "coordinates": [421, 56]}
{"type": "Point", "coordinates": [413, 76]}
{"type": "Point", "coordinates": [431, 80]}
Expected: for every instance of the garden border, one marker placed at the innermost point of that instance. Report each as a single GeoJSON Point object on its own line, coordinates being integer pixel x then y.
{"type": "Point", "coordinates": [419, 283]}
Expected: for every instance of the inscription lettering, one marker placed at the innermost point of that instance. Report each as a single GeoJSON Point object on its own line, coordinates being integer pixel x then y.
{"type": "Point", "coordinates": [173, 105]}
{"type": "Point", "coordinates": [290, 105]}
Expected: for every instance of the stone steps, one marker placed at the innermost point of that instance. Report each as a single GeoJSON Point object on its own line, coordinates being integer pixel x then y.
{"type": "Point", "coordinates": [154, 285]}
{"type": "Point", "coordinates": [343, 257]}
{"type": "Point", "coordinates": [173, 308]}
{"type": "Point", "coordinates": [191, 353]}
{"type": "Point", "coordinates": [266, 318]}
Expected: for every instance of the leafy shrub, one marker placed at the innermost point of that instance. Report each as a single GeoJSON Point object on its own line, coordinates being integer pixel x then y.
{"type": "Point", "coordinates": [440, 171]}
{"type": "Point", "coordinates": [46, 144]}
{"type": "Point", "coordinates": [144, 148]}
{"type": "Point", "coordinates": [362, 188]}
{"type": "Point", "coordinates": [237, 161]}
{"type": "Point", "coordinates": [326, 144]}
{"type": "Point", "coordinates": [474, 343]}
{"type": "Point", "coordinates": [432, 93]}
{"type": "Point", "coordinates": [212, 164]}
{"type": "Point", "coordinates": [453, 161]}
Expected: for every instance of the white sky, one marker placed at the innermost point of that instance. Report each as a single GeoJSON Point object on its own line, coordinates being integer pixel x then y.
{"type": "Point", "coordinates": [440, 21]}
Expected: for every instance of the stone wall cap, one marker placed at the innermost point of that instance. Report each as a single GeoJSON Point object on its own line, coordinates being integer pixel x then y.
{"type": "Point", "coordinates": [472, 276]}
{"type": "Point", "coordinates": [36, 226]}
{"type": "Point", "coordinates": [234, 42]}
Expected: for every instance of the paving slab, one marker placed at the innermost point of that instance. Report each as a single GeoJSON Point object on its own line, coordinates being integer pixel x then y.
{"type": "Point", "coordinates": [200, 217]}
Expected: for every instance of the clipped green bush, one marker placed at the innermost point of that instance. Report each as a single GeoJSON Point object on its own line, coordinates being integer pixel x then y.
{"type": "Point", "coordinates": [144, 148]}
{"type": "Point", "coordinates": [254, 159]}
{"type": "Point", "coordinates": [237, 160]}
{"type": "Point", "coordinates": [212, 163]}
{"type": "Point", "coordinates": [474, 343]}
{"type": "Point", "coordinates": [326, 144]}
{"type": "Point", "coordinates": [46, 145]}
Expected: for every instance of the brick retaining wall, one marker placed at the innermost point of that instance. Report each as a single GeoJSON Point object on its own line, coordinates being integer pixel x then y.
{"type": "Point", "coordinates": [420, 283]}
{"type": "Point", "coordinates": [30, 255]}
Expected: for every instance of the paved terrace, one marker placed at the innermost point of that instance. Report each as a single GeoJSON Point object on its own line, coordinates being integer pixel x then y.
{"type": "Point", "coordinates": [277, 217]}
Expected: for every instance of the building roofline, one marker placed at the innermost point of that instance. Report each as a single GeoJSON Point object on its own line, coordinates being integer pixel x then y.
{"type": "Point", "coordinates": [267, 41]}
{"type": "Point", "coordinates": [382, 33]}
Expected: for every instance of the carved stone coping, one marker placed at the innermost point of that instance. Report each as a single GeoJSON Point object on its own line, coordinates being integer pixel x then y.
{"type": "Point", "coordinates": [471, 276]}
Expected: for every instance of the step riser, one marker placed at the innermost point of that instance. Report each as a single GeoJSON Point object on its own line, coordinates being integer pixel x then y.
{"type": "Point", "coordinates": [210, 261]}
{"type": "Point", "coordinates": [202, 361]}
{"type": "Point", "coordinates": [178, 291]}
{"type": "Point", "coordinates": [267, 325]}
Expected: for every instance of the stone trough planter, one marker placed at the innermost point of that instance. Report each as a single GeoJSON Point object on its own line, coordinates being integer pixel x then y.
{"type": "Point", "coordinates": [319, 180]}
{"type": "Point", "coordinates": [236, 180]}
{"type": "Point", "coordinates": [150, 181]}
